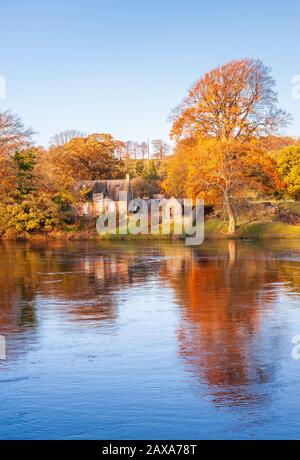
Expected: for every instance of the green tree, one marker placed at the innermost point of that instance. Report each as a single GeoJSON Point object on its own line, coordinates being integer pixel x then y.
{"type": "Point", "coordinates": [24, 163]}
{"type": "Point", "coordinates": [150, 171]}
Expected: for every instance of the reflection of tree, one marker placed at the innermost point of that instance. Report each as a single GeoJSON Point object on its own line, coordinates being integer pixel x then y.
{"type": "Point", "coordinates": [79, 281]}
{"type": "Point", "coordinates": [17, 287]}
{"type": "Point", "coordinates": [223, 299]}
{"type": "Point", "coordinates": [82, 282]}
{"type": "Point", "coordinates": [225, 290]}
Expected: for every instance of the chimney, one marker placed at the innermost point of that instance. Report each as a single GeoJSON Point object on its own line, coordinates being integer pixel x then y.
{"type": "Point", "coordinates": [128, 178]}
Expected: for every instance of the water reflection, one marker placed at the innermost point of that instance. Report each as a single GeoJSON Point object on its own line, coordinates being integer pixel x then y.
{"type": "Point", "coordinates": [224, 301]}
{"type": "Point", "coordinates": [226, 296]}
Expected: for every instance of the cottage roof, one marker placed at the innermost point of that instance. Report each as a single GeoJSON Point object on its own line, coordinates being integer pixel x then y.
{"type": "Point", "coordinates": [109, 188]}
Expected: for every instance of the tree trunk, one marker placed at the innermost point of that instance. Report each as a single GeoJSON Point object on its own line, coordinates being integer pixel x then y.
{"type": "Point", "coordinates": [231, 217]}
{"type": "Point", "coordinates": [232, 224]}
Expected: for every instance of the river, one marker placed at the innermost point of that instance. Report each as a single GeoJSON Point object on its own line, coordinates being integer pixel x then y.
{"type": "Point", "coordinates": [149, 340]}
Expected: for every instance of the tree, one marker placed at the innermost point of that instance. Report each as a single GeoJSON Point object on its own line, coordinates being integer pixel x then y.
{"type": "Point", "coordinates": [233, 104]}
{"type": "Point", "coordinates": [289, 168]}
{"type": "Point", "coordinates": [27, 206]}
{"type": "Point", "coordinates": [225, 171]}
{"type": "Point", "coordinates": [144, 168]}
{"type": "Point", "coordinates": [13, 134]}
{"type": "Point", "coordinates": [222, 172]}
{"type": "Point", "coordinates": [36, 212]}
{"type": "Point", "coordinates": [24, 164]}
{"type": "Point", "coordinates": [160, 148]}
{"type": "Point", "coordinates": [143, 187]}
{"type": "Point", "coordinates": [7, 178]}
{"type": "Point", "coordinates": [86, 158]}
{"type": "Point", "coordinates": [236, 100]}
{"type": "Point", "coordinates": [274, 144]}
{"type": "Point", "coordinates": [64, 137]}
{"type": "Point", "coordinates": [144, 149]}
{"type": "Point", "coordinates": [176, 169]}
{"type": "Point", "coordinates": [136, 150]}
{"type": "Point", "coordinates": [150, 171]}
{"type": "Point", "coordinates": [129, 146]}
{"type": "Point", "coordinates": [120, 150]}
{"type": "Point", "coordinates": [134, 167]}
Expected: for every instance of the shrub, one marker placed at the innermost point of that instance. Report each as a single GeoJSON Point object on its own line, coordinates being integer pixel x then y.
{"type": "Point", "coordinates": [35, 213]}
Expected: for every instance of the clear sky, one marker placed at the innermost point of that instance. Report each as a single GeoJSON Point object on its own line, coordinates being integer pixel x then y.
{"type": "Point", "coordinates": [120, 66]}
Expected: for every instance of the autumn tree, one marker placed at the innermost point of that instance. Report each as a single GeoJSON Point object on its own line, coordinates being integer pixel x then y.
{"type": "Point", "coordinates": [7, 177]}
{"type": "Point", "coordinates": [274, 144]}
{"type": "Point", "coordinates": [144, 187]}
{"type": "Point", "coordinates": [224, 171]}
{"type": "Point", "coordinates": [13, 134]}
{"type": "Point", "coordinates": [144, 150]}
{"type": "Point", "coordinates": [233, 104]}
{"type": "Point", "coordinates": [234, 101]}
{"type": "Point", "coordinates": [129, 146]}
{"type": "Point", "coordinates": [176, 169]}
{"type": "Point", "coordinates": [136, 150]}
{"type": "Point", "coordinates": [64, 137]}
{"type": "Point", "coordinates": [120, 149]}
{"type": "Point", "coordinates": [289, 168]}
{"type": "Point", "coordinates": [86, 158]}
{"type": "Point", "coordinates": [27, 206]}
{"type": "Point", "coordinates": [221, 172]}
{"type": "Point", "coordinates": [160, 149]}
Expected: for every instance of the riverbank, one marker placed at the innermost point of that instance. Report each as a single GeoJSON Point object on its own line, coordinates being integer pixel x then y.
{"type": "Point", "coordinates": [214, 230]}
{"type": "Point", "coordinates": [256, 230]}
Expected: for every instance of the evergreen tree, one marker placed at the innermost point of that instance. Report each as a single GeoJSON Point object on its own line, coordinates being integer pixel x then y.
{"type": "Point", "coordinates": [24, 164]}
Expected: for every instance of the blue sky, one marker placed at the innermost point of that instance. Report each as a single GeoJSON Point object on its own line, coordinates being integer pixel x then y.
{"type": "Point", "coordinates": [121, 66]}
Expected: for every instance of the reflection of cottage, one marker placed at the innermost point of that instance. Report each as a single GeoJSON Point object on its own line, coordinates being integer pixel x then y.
{"type": "Point", "coordinates": [99, 196]}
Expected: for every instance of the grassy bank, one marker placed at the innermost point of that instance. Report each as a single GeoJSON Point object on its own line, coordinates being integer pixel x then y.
{"type": "Point", "coordinates": [214, 230]}
{"type": "Point", "coordinates": [265, 227]}
{"type": "Point", "coordinates": [257, 230]}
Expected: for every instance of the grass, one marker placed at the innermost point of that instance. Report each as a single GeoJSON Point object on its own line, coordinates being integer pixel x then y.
{"type": "Point", "coordinates": [216, 229]}
{"type": "Point", "coordinates": [258, 230]}
{"type": "Point", "coordinates": [268, 230]}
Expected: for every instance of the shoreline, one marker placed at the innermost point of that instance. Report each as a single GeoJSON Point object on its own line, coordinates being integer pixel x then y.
{"type": "Point", "coordinates": [214, 230]}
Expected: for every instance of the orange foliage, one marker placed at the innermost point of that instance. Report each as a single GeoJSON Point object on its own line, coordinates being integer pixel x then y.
{"type": "Point", "coordinates": [221, 172]}
{"type": "Point", "coordinates": [84, 158]}
{"type": "Point", "coordinates": [236, 100]}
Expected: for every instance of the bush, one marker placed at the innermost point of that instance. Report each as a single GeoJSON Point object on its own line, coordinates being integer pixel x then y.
{"type": "Point", "coordinates": [36, 213]}
{"type": "Point", "coordinates": [289, 168]}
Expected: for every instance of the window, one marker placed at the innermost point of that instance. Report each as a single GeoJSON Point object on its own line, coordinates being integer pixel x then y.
{"type": "Point", "coordinates": [98, 197]}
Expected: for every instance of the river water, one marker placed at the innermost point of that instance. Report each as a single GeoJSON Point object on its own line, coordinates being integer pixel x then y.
{"type": "Point", "coordinates": [150, 341]}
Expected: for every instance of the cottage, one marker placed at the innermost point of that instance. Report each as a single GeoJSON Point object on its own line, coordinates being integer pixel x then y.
{"type": "Point", "coordinates": [98, 195]}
